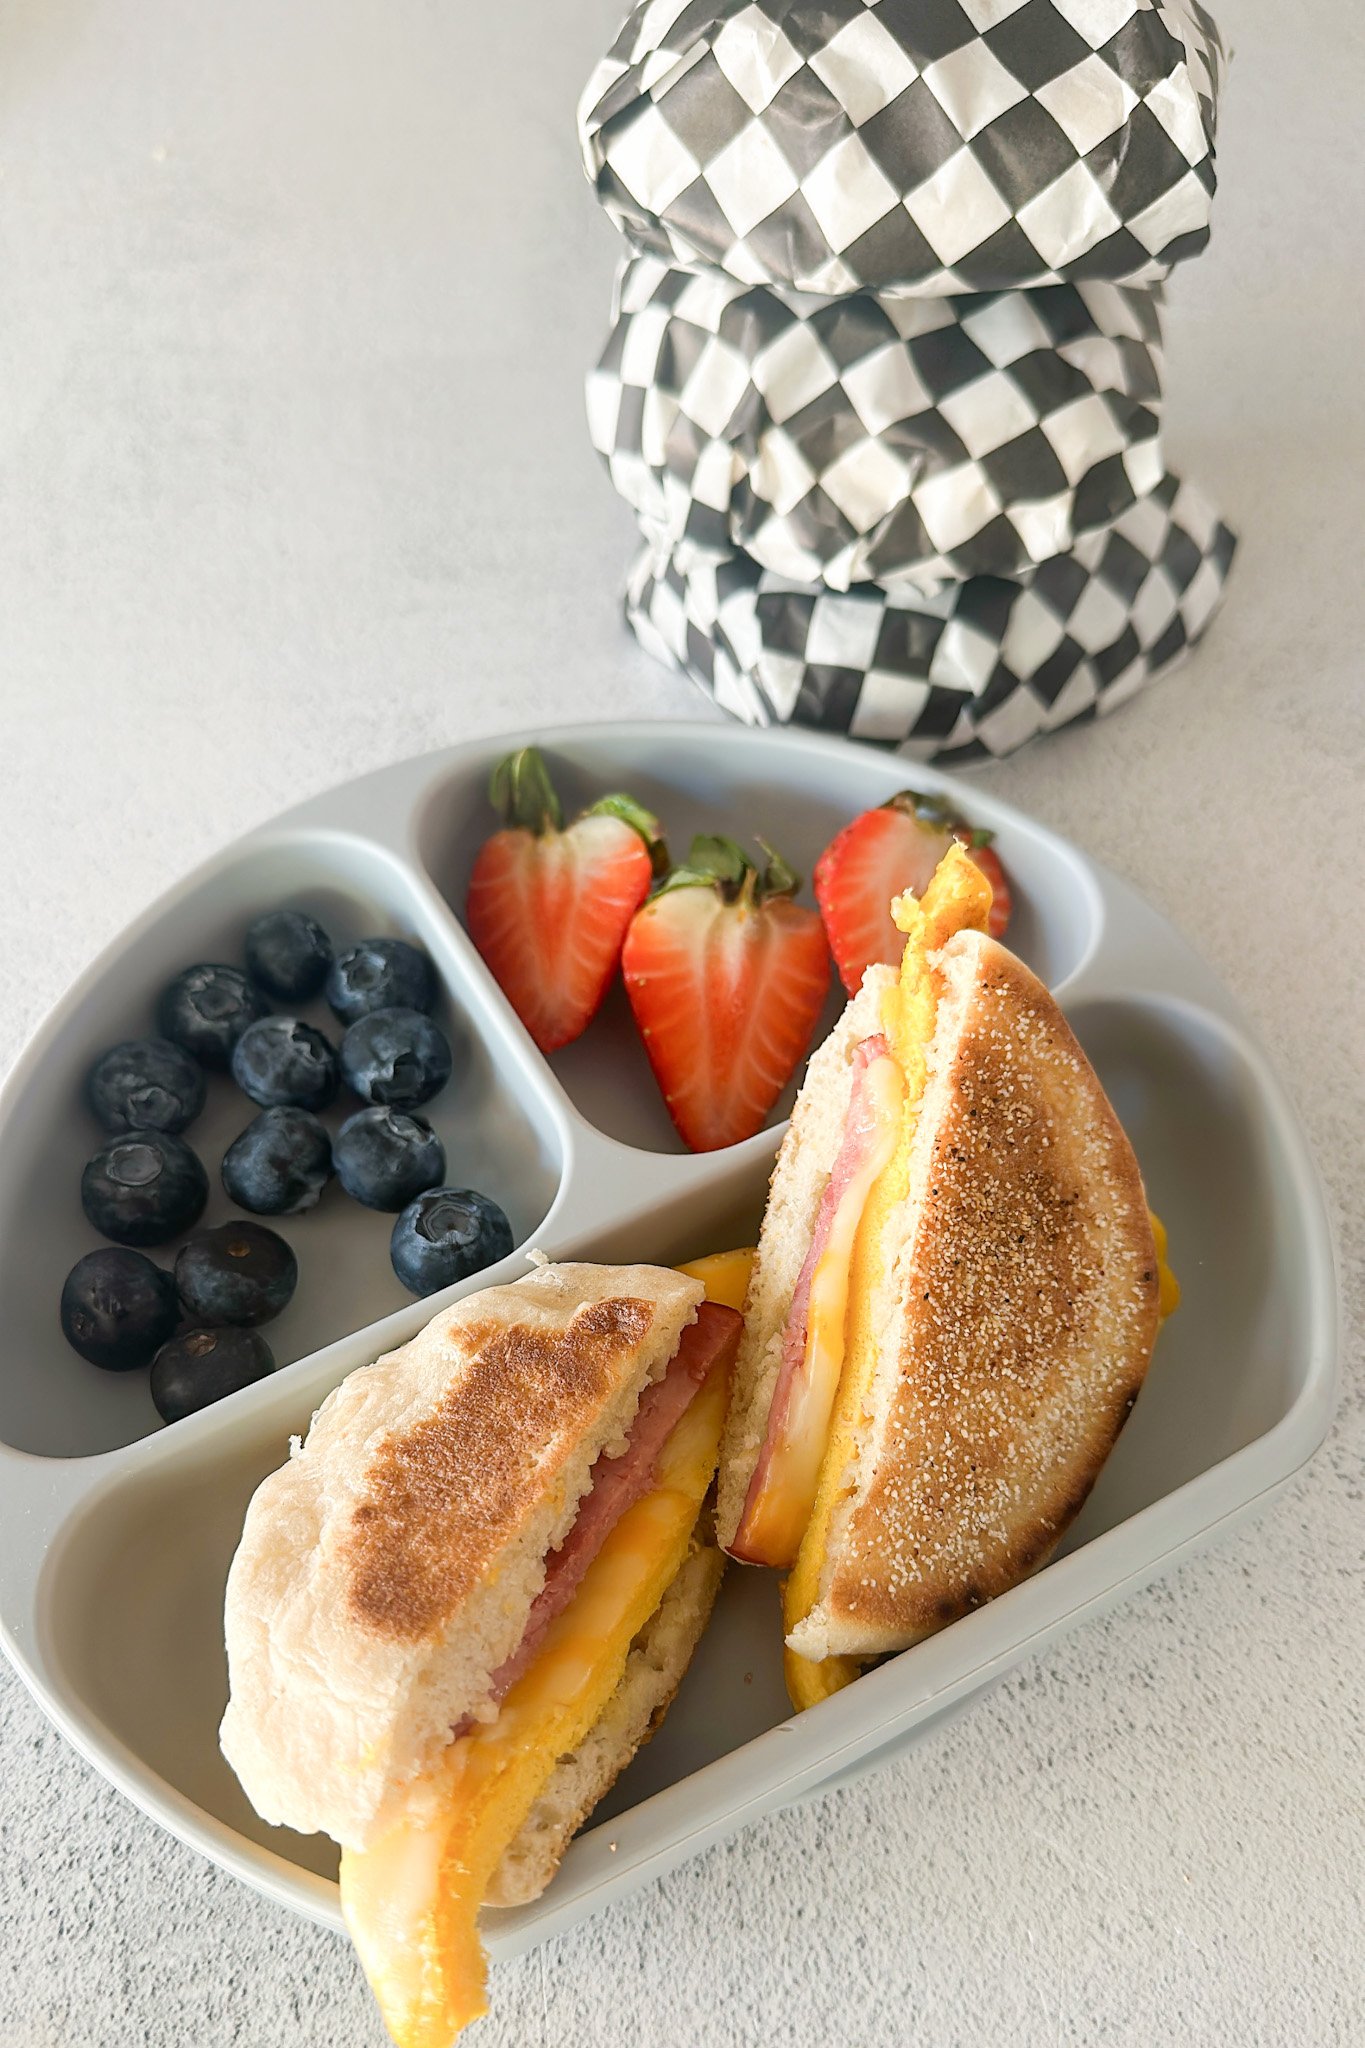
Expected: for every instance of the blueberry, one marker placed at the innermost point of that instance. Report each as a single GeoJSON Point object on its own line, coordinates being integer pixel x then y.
{"type": "Point", "coordinates": [144, 1187]}
{"type": "Point", "coordinates": [117, 1308]}
{"type": "Point", "coordinates": [288, 954]}
{"type": "Point", "coordinates": [200, 1366]}
{"type": "Point", "coordinates": [282, 1063]}
{"type": "Point", "coordinates": [380, 974]}
{"type": "Point", "coordinates": [445, 1235]}
{"type": "Point", "coordinates": [239, 1273]}
{"type": "Point", "coordinates": [397, 1057]}
{"type": "Point", "coordinates": [280, 1164]}
{"type": "Point", "coordinates": [383, 1157]}
{"type": "Point", "coordinates": [145, 1084]}
{"type": "Point", "coordinates": [206, 1009]}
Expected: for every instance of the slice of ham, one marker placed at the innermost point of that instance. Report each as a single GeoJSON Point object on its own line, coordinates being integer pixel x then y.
{"type": "Point", "coordinates": [862, 1132]}
{"type": "Point", "coordinates": [617, 1483]}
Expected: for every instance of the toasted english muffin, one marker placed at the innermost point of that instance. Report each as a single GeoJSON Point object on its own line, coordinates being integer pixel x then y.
{"type": "Point", "coordinates": [388, 1569]}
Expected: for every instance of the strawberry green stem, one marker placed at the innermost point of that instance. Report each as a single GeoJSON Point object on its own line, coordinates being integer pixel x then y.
{"type": "Point", "coordinates": [778, 878]}
{"type": "Point", "coordinates": [521, 792]}
{"type": "Point", "coordinates": [935, 812]}
{"type": "Point", "coordinates": [618, 805]}
{"type": "Point", "coordinates": [714, 862]}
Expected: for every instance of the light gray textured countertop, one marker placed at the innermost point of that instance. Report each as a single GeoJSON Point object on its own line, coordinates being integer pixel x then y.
{"type": "Point", "coordinates": [294, 480]}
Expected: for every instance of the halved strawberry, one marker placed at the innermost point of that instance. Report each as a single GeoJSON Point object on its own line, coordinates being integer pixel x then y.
{"type": "Point", "coordinates": [726, 977]}
{"type": "Point", "coordinates": [882, 853]}
{"type": "Point", "coordinates": [548, 907]}
{"type": "Point", "coordinates": [893, 848]}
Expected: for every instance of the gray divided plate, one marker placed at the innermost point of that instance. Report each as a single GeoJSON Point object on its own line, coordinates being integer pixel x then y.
{"type": "Point", "coordinates": [115, 1533]}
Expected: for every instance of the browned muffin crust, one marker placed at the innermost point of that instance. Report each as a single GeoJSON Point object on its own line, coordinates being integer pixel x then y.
{"type": "Point", "coordinates": [446, 1494]}
{"type": "Point", "coordinates": [1026, 1306]}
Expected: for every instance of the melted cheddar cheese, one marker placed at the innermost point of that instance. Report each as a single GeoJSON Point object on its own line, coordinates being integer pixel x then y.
{"type": "Point", "coordinates": [724, 1275]}
{"type": "Point", "coordinates": [958, 898]}
{"type": "Point", "coordinates": [411, 1901]}
{"type": "Point", "coordinates": [1168, 1287]}
{"type": "Point", "coordinates": [772, 1526]}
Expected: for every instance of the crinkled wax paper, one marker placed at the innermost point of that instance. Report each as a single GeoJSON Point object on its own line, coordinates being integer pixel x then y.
{"type": "Point", "coordinates": [884, 382]}
{"type": "Point", "coordinates": [910, 146]}
{"type": "Point", "coordinates": [973, 672]}
{"type": "Point", "coordinates": [906, 442]}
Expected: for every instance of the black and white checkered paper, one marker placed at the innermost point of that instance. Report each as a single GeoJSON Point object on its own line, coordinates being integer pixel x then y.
{"type": "Point", "coordinates": [974, 672]}
{"type": "Point", "coordinates": [903, 442]}
{"type": "Point", "coordinates": [884, 382]}
{"type": "Point", "coordinates": [924, 147]}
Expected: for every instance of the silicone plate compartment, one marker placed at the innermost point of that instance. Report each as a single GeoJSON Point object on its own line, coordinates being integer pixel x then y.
{"type": "Point", "coordinates": [115, 1534]}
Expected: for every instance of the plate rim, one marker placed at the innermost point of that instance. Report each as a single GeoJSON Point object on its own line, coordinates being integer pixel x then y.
{"type": "Point", "coordinates": [45, 1487]}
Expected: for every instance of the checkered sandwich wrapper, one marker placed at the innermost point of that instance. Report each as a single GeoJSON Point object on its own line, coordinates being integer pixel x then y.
{"type": "Point", "coordinates": [923, 147]}
{"type": "Point", "coordinates": [971, 673]}
{"type": "Point", "coordinates": [904, 442]}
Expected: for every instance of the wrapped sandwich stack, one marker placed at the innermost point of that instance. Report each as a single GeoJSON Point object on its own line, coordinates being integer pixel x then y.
{"type": "Point", "coordinates": [883, 385]}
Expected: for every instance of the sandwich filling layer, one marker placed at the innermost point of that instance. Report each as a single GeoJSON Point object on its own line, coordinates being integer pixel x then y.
{"type": "Point", "coordinates": [412, 1899]}
{"type": "Point", "coordinates": [615, 1484]}
{"type": "Point", "coordinates": [957, 899]}
{"type": "Point", "coordinates": [657, 1663]}
{"type": "Point", "coordinates": [783, 1488]}
{"type": "Point", "coordinates": [810, 1444]}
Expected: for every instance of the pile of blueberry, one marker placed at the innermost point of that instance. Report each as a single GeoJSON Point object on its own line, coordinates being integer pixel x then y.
{"type": "Point", "coordinates": [198, 1327]}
